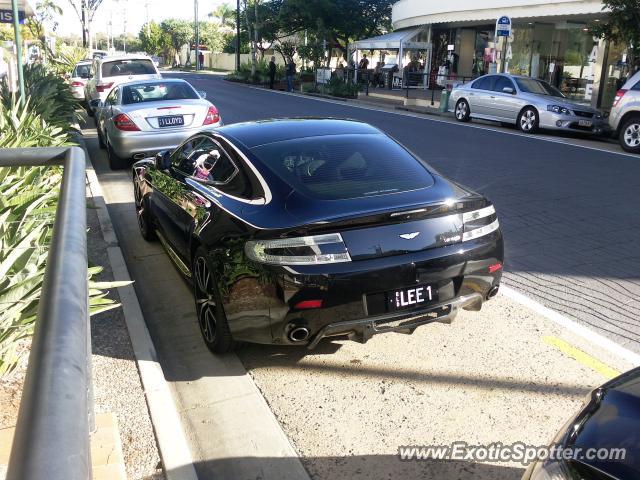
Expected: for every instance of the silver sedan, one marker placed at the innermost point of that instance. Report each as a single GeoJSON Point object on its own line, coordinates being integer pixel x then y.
{"type": "Point", "coordinates": [139, 119]}
{"type": "Point", "coordinates": [527, 102]}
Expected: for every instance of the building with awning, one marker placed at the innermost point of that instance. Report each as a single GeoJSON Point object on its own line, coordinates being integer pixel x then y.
{"type": "Point", "coordinates": [549, 39]}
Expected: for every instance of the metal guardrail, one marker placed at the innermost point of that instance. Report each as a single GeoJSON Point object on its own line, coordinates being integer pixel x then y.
{"type": "Point", "coordinates": [56, 412]}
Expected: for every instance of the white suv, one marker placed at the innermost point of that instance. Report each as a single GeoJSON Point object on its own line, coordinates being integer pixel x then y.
{"type": "Point", "coordinates": [110, 71]}
{"type": "Point", "coordinates": [624, 118]}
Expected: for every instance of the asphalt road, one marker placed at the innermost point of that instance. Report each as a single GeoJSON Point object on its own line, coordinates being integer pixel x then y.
{"type": "Point", "coordinates": [569, 213]}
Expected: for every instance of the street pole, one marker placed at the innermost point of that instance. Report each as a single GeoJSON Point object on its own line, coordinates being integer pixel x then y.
{"type": "Point", "coordinates": [18, 39]}
{"type": "Point", "coordinates": [238, 36]}
{"type": "Point", "coordinates": [195, 7]}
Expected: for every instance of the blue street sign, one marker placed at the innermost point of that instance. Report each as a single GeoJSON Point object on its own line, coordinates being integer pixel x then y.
{"type": "Point", "coordinates": [6, 16]}
{"type": "Point", "coordinates": [503, 26]}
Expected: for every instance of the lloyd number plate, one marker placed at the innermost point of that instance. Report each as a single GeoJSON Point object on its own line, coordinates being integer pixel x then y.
{"type": "Point", "coordinates": [171, 121]}
{"type": "Point", "coordinates": [412, 297]}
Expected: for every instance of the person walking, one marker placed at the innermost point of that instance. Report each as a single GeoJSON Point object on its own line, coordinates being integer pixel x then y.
{"type": "Point", "coordinates": [291, 75]}
{"type": "Point", "coordinates": [201, 60]}
{"type": "Point", "coordinates": [272, 72]}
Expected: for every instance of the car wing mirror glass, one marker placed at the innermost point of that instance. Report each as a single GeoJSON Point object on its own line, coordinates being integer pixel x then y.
{"type": "Point", "coordinates": [509, 90]}
{"type": "Point", "coordinates": [163, 160]}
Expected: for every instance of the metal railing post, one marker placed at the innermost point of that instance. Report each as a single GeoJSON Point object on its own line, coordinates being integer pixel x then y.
{"type": "Point", "coordinates": [52, 432]}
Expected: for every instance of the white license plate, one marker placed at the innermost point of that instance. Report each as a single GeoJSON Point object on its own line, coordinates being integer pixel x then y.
{"type": "Point", "coordinates": [585, 123]}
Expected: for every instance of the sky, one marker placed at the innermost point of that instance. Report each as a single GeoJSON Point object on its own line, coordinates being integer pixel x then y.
{"type": "Point", "coordinates": [134, 12]}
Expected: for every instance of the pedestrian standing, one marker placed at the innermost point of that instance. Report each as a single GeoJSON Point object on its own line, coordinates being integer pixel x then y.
{"type": "Point", "coordinates": [272, 72]}
{"type": "Point", "coordinates": [201, 59]}
{"type": "Point", "coordinates": [291, 75]}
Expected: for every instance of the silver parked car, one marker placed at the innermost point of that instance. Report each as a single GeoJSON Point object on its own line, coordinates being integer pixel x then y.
{"type": "Point", "coordinates": [624, 118]}
{"type": "Point", "coordinates": [139, 119]}
{"type": "Point", "coordinates": [527, 102]}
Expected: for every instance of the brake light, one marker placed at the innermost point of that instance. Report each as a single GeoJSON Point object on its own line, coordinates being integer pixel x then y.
{"type": "Point", "coordinates": [103, 87]}
{"type": "Point", "coordinates": [479, 223]}
{"type": "Point", "coordinates": [212, 116]}
{"type": "Point", "coordinates": [313, 250]}
{"type": "Point", "coordinates": [495, 267]}
{"type": "Point", "coordinates": [619, 94]}
{"type": "Point", "coordinates": [308, 304]}
{"type": "Point", "coordinates": [77, 84]}
{"type": "Point", "coordinates": [124, 123]}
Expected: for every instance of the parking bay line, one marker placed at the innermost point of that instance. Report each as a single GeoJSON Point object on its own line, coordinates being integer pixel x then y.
{"type": "Point", "coordinates": [581, 357]}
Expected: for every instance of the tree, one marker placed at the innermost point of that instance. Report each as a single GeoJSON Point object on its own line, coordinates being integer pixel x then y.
{"type": "Point", "coordinates": [85, 9]}
{"type": "Point", "coordinates": [178, 32]}
{"type": "Point", "coordinates": [622, 25]}
{"type": "Point", "coordinates": [152, 39]}
{"type": "Point", "coordinates": [225, 15]}
{"type": "Point", "coordinates": [46, 13]}
{"type": "Point", "coordinates": [211, 36]}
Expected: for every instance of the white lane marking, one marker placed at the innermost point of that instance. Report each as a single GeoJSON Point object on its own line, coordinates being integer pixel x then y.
{"type": "Point", "coordinates": [466, 125]}
{"type": "Point", "coordinates": [586, 333]}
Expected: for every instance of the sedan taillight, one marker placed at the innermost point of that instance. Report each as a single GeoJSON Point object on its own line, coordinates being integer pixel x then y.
{"type": "Point", "coordinates": [77, 84]}
{"type": "Point", "coordinates": [619, 94]}
{"type": "Point", "coordinates": [312, 250]}
{"type": "Point", "coordinates": [103, 87]}
{"type": "Point", "coordinates": [124, 123]}
{"type": "Point", "coordinates": [212, 116]}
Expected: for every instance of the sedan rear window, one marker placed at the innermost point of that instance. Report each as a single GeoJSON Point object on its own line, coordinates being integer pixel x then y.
{"type": "Point", "coordinates": [155, 92]}
{"type": "Point", "coordinates": [337, 167]}
{"type": "Point", "coordinates": [118, 68]}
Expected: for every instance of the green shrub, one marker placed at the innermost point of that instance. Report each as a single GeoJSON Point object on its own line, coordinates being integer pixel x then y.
{"type": "Point", "coordinates": [20, 127]}
{"type": "Point", "coordinates": [243, 74]}
{"type": "Point", "coordinates": [339, 88]}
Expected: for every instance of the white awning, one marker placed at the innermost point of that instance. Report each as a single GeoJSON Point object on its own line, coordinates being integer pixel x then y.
{"type": "Point", "coordinates": [25, 6]}
{"type": "Point", "coordinates": [411, 13]}
{"type": "Point", "coordinates": [392, 41]}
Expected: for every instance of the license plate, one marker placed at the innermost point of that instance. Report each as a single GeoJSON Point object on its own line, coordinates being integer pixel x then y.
{"type": "Point", "coordinates": [585, 123]}
{"type": "Point", "coordinates": [171, 121]}
{"type": "Point", "coordinates": [412, 297]}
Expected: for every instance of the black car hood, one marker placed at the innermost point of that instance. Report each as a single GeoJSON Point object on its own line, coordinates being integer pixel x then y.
{"type": "Point", "coordinates": [616, 424]}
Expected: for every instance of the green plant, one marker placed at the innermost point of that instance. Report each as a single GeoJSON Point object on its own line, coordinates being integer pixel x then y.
{"type": "Point", "coordinates": [28, 198]}
{"type": "Point", "coordinates": [21, 126]}
{"type": "Point", "coordinates": [339, 88]}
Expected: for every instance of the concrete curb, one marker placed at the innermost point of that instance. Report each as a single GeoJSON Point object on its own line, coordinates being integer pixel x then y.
{"type": "Point", "coordinates": [172, 444]}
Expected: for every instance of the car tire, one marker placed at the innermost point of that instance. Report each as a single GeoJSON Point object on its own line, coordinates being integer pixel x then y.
{"type": "Point", "coordinates": [101, 143]}
{"type": "Point", "coordinates": [115, 162]}
{"type": "Point", "coordinates": [528, 120]}
{"type": "Point", "coordinates": [462, 111]}
{"type": "Point", "coordinates": [209, 310]}
{"type": "Point", "coordinates": [630, 135]}
{"type": "Point", "coordinates": [145, 220]}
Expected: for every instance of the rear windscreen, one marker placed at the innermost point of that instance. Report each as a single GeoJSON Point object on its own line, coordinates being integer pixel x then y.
{"type": "Point", "coordinates": [117, 68]}
{"type": "Point", "coordinates": [336, 167]}
{"type": "Point", "coordinates": [82, 71]}
{"type": "Point", "coordinates": [156, 92]}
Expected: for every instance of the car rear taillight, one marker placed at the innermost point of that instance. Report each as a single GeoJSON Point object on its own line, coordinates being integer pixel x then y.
{"type": "Point", "coordinates": [478, 223]}
{"type": "Point", "coordinates": [619, 94]}
{"type": "Point", "coordinates": [103, 87]}
{"type": "Point", "coordinates": [308, 304]}
{"type": "Point", "coordinates": [124, 123]}
{"type": "Point", "coordinates": [313, 250]}
{"type": "Point", "coordinates": [212, 116]}
{"type": "Point", "coordinates": [77, 84]}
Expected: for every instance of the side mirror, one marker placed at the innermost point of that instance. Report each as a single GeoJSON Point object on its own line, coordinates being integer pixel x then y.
{"type": "Point", "coordinates": [202, 94]}
{"type": "Point", "coordinates": [163, 160]}
{"type": "Point", "coordinates": [97, 103]}
{"type": "Point", "coordinates": [509, 90]}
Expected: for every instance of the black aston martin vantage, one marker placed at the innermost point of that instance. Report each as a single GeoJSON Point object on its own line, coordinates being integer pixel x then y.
{"type": "Point", "coordinates": [296, 230]}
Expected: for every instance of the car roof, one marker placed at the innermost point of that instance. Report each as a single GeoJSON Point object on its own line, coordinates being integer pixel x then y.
{"type": "Point", "coordinates": [84, 62]}
{"type": "Point", "coordinates": [112, 58]}
{"type": "Point", "coordinates": [252, 134]}
{"type": "Point", "coordinates": [144, 82]}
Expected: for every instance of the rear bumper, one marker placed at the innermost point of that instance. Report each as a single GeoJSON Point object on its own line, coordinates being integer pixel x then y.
{"type": "Point", "coordinates": [78, 93]}
{"type": "Point", "coordinates": [260, 313]}
{"type": "Point", "coordinates": [146, 144]}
